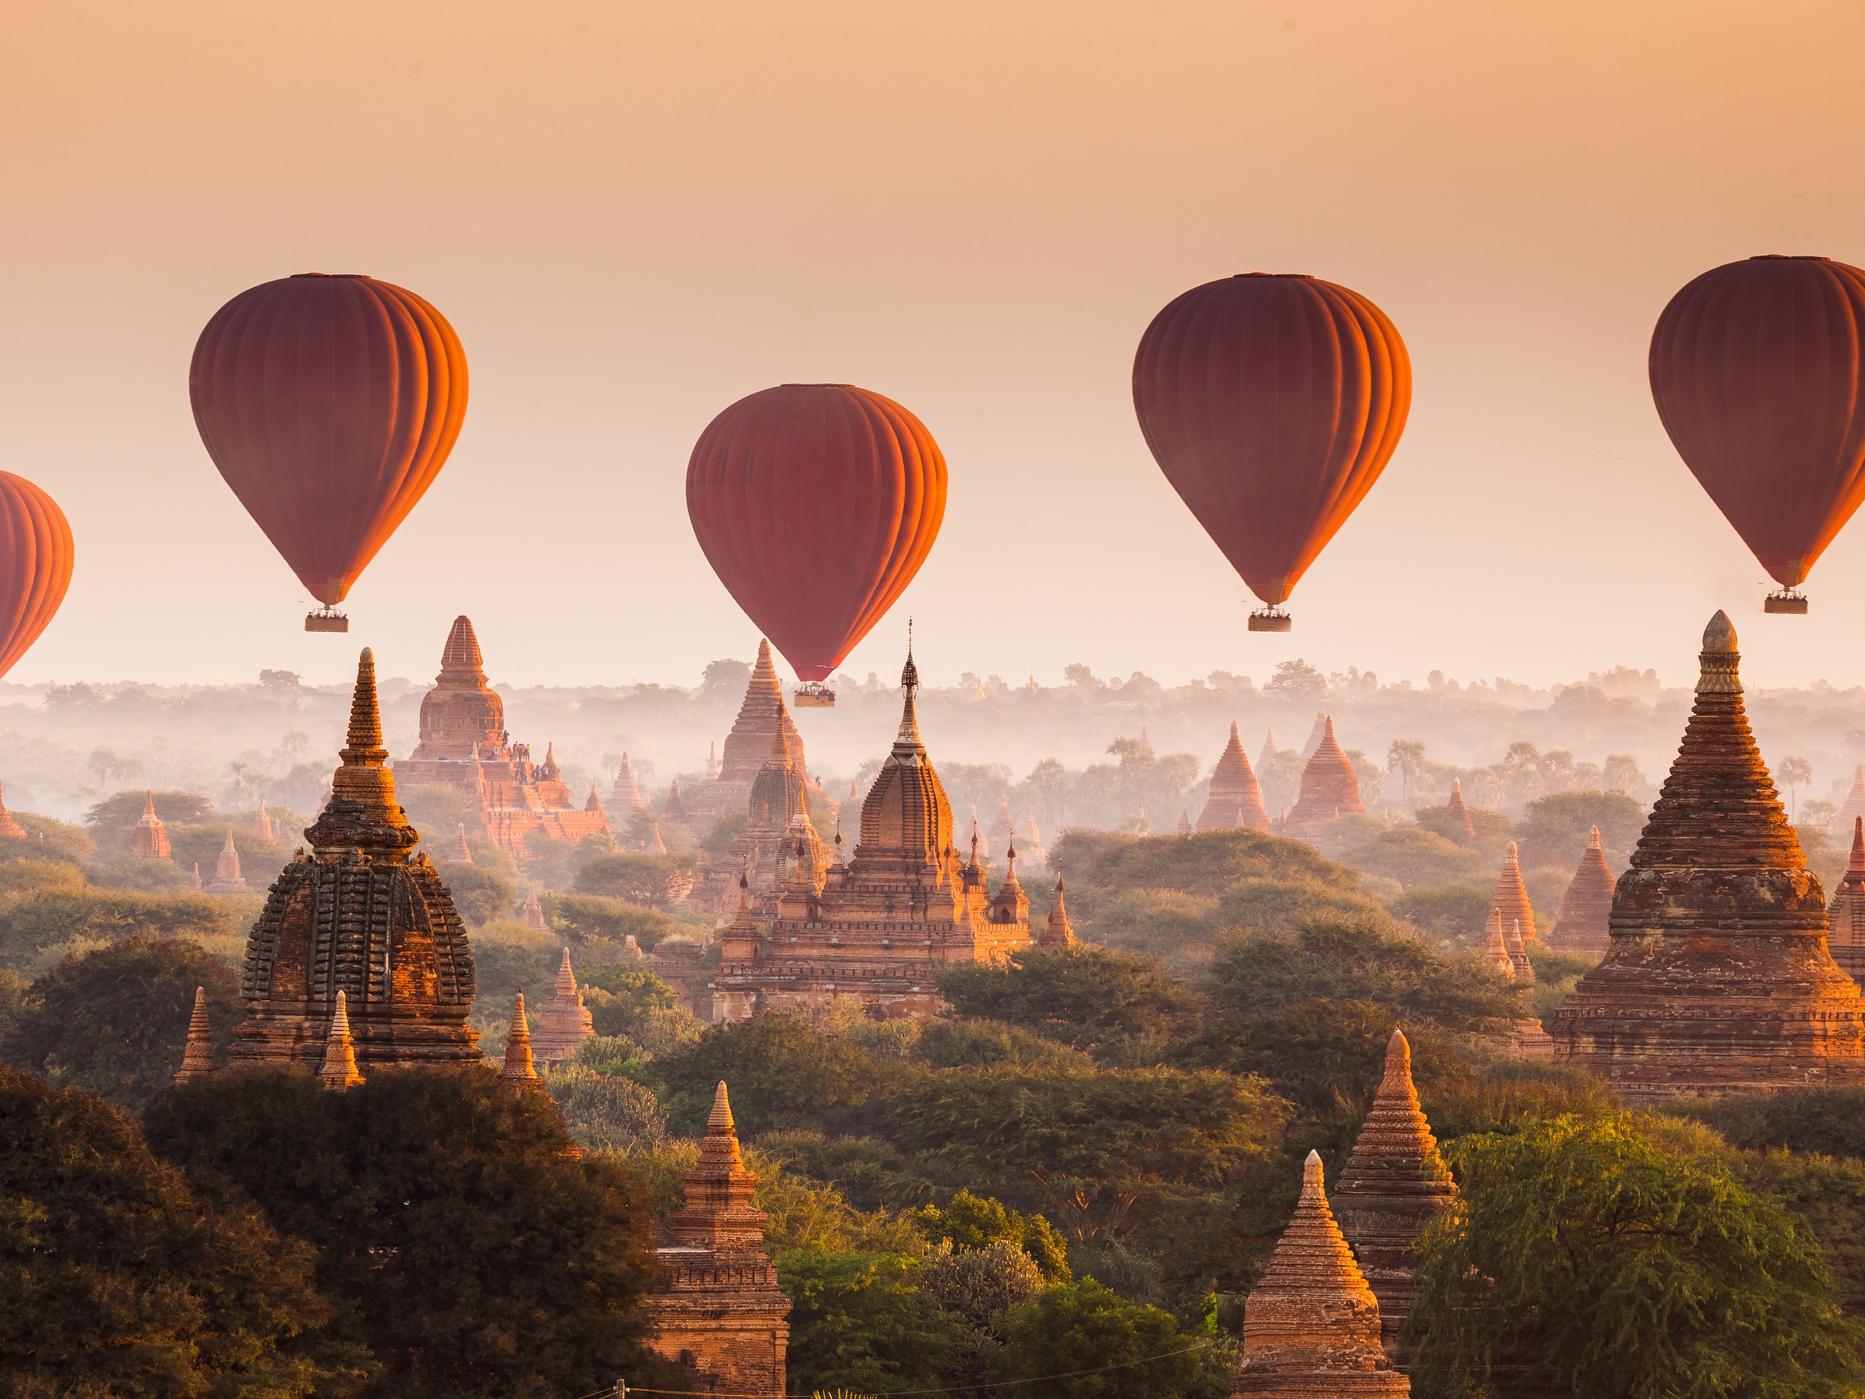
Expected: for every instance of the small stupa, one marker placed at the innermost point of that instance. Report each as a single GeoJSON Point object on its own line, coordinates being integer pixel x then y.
{"type": "Point", "coordinates": [1311, 1328]}
{"type": "Point", "coordinates": [1185, 823]}
{"type": "Point", "coordinates": [9, 828]}
{"type": "Point", "coordinates": [1510, 901]}
{"type": "Point", "coordinates": [1846, 938]}
{"type": "Point", "coordinates": [197, 1057]}
{"type": "Point", "coordinates": [1462, 828]}
{"type": "Point", "coordinates": [462, 853]}
{"type": "Point", "coordinates": [516, 1069]}
{"type": "Point", "coordinates": [227, 877]}
{"type": "Point", "coordinates": [1058, 933]}
{"type": "Point", "coordinates": [1518, 955]}
{"type": "Point", "coordinates": [338, 1070]}
{"type": "Point", "coordinates": [262, 826]}
{"type": "Point", "coordinates": [624, 795]}
{"type": "Point", "coordinates": [1496, 947]}
{"type": "Point", "coordinates": [1581, 925]}
{"type": "Point", "coordinates": [1236, 799]}
{"type": "Point", "coordinates": [532, 914]}
{"type": "Point", "coordinates": [1854, 805]}
{"type": "Point", "coordinates": [1329, 789]}
{"type": "Point", "coordinates": [194, 878]}
{"type": "Point", "coordinates": [1394, 1184]}
{"type": "Point", "coordinates": [565, 1021]}
{"type": "Point", "coordinates": [1268, 750]}
{"type": "Point", "coordinates": [150, 838]}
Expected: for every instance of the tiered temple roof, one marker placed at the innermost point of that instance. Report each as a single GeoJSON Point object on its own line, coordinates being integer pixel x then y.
{"type": "Point", "coordinates": [1311, 1328]}
{"type": "Point", "coordinates": [625, 793]}
{"type": "Point", "coordinates": [338, 1069]}
{"type": "Point", "coordinates": [464, 745]}
{"type": "Point", "coordinates": [1329, 791]}
{"type": "Point", "coordinates": [150, 838]}
{"type": "Point", "coordinates": [1394, 1184]}
{"type": "Point", "coordinates": [1235, 798]}
{"type": "Point", "coordinates": [1718, 979]}
{"type": "Point", "coordinates": [1463, 829]}
{"type": "Point", "coordinates": [880, 929]}
{"type": "Point", "coordinates": [1510, 900]}
{"type": "Point", "coordinates": [719, 1310]}
{"type": "Point", "coordinates": [778, 834]}
{"type": "Point", "coordinates": [1585, 907]}
{"type": "Point", "coordinates": [9, 828]}
{"type": "Point", "coordinates": [197, 1057]}
{"type": "Point", "coordinates": [1846, 917]}
{"type": "Point", "coordinates": [227, 877]}
{"type": "Point", "coordinates": [762, 719]}
{"type": "Point", "coordinates": [565, 1022]}
{"type": "Point", "coordinates": [1058, 933]}
{"type": "Point", "coordinates": [517, 1068]}
{"type": "Point", "coordinates": [363, 916]}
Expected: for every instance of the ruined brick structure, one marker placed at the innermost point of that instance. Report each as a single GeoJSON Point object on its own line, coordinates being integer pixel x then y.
{"type": "Point", "coordinates": [227, 877]}
{"type": "Point", "coordinates": [364, 916]}
{"type": "Point", "coordinates": [1718, 978]}
{"type": "Point", "coordinates": [1581, 925]}
{"type": "Point", "coordinates": [197, 1055]}
{"type": "Point", "coordinates": [1329, 791]}
{"type": "Point", "coordinates": [777, 836]}
{"type": "Point", "coordinates": [150, 838]}
{"type": "Point", "coordinates": [1235, 799]}
{"type": "Point", "coordinates": [1846, 918]}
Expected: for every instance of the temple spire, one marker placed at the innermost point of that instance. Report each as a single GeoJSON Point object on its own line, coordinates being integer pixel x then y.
{"type": "Point", "coordinates": [1846, 916]}
{"type": "Point", "coordinates": [1463, 829]}
{"type": "Point", "coordinates": [1510, 899]}
{"type": "Point", "coordinates": [1582, 924]}
{"type": "Point", "coordinates": [9, 828]}
{"type": "Point", "coordinates": [518, 1068]}
{"type": "Point", "coordinates": [1496, 948]}
{"type": "Point", "coordinates": [719, 1122]}
{"type": "Point", "coordinates": [362, 812]}
{"type": "Point", "coordinates": [339, 1069]}
{"type": "Point", "coordinates": [909, 736]}
{"type": "Point", "coordinates": [1059, 932]}
{"type": "Point", "coordinates": [197, 1058]}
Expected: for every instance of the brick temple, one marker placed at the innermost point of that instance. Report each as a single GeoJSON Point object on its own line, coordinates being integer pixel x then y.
{"type": "Point", "coordinates": [1846, 917]}
{"type": "Point", "coordinates": [1510, 899]}
{"type": "Point", "coordinates": [763, 720]}
{"type": "Point", "coordinates": [1329, 790]}
{"type": "Point", "coordinates": [1581, 925]}
{"type": "Point", "coordinates": [1235, 799]}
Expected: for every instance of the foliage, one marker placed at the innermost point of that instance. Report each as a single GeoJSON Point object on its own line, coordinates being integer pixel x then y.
{"type": "Point", "coordinates": [1209, 863]}
{"type": "Point", "coordinates": [114, 1021]}
{"type": "Point", "coordinates": [956, 1044]}
{"type": "Point", "coordinates": [1118, 1007]}
{"type": "Point", "coordinates": [1082, 1327]}
{"type": "Point", "coordinates": [1448, 912]}
{"type": "Point", "coordinates": [1169, 924]}
{"type": "Point", "coordinates": [782, 1073]}
{"type": "Point", "coordinates": [508, 958]}
{"type": "Point", "coordinates": [1583, 1257]}
{"type": "Point", "coordinates": [141, 874]}
{"type": "Point", "coordinates": [116, 1281]}
{"type": "Point", "coordinates": [1829, 1120]}
{"type": "Point", "coordinates": [479, 893]}
{"type": "Point", "coordinates": [110, 821]}
{"type": "Point", "coordinates": [597, 919]}
{"type": "Point", "coordinates": [1413, 856]}
{"type": "Point", "coordinates": [869, 1173]}
{"type": "Point", "coordinates": [47, 840]}
{"type": "Point", "coordinates": [518, 1268]}
{"type": "Point", "coordinates": [602, 1110]}
{"type": "Point", "coordinates": [37, 922]}
{"type": "Point", "coordinates": [653, 881]}
{"type": "Point", "coordinates": [977, 1284]}
{"type": "Point", "coordinates": [1554, 829]}
{"type": "Point", "coordinates": [628, 1001]}
{"type": "Point", "coordinates": [860, 1319]}
{"type": "Point", "coordinates": [968, 1221]}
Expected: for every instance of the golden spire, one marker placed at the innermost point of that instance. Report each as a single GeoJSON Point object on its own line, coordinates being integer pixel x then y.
{"type": "Point", "coordinates": [565, 989]}
{"type": "Point", "coordinates": [719, 1122]}
{"type": "Point", "coordinates": [197, 1059]}
{"type": "Point", "coordinates": [1496, 948]}
{"type": "Point", "coordinates": [362, 811]}
{"type": "Point", "coordinates": [1059, 933]}
{"type": "Point", "coordinates": [1518, 955]}
{"type": "Point", "coordinates": [518, 1067]}
{"type": "Point", "coordinates": [909, 736]}
{"type": "Point", "coordinates": [339, 1070]}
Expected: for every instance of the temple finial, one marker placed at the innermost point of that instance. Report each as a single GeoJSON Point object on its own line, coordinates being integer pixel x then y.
{"type": "Point", "coordinates": [719, 1122]}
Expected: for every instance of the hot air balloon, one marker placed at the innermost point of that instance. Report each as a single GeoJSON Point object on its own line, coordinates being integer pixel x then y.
{"type": "Point", "coordinates": [1271, 403]}
{"type": "Point", "coordinates": [35, 565]}
{"type": "Point", "coordinates": [1756, 371]}
{"type": "Point", "coordinates": [329, 403]}
{"type": "Point", "coordinates": [815, 505]}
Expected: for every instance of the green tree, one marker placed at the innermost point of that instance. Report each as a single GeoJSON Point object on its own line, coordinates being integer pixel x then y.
{"type": "Point", "coordinates": [1554, 829]}
{"type": "Point", "coordinates": [1583, 1258]}
{"type": "Point", "coordinates": [1413, 856]}
{"type": "Point", "coordinates": [40, 921]}
{"type": "Point", "coordinates": [783, 1073]}
{"type": "Point", "coordinates": [604, 1110]}
{"type": "Point", "coordinates": [1086, 1342]}
{"type": "Point", "coordinates": [862, 1320]}
{"type": "Point", "coordinates": [1297, 682]}
{"type": "Point", "coordinates": [1794, 771]}
{"type": "Point", "coordinates": [112, 819]}
{"type": "Point", "coordinates": [114, 1021]}
{"type": "Point", "coordinates": [463, 1242]}
{"type": "Point", "coordinates": [968, 1221]}
{"type": "Point", "coordinates": [116, 1282]}
{"type": "Point", "coordinates": [652, 881]}
{"type": "Point", "coordinates": [1448, 912]}
{"type": "Point", "coordinates": [1406, 757]}
{"type": "Point", "coordinates": [597, 919]}
{"type": "Point", "coordinates": [1112, 1005]}
{"type": "Point", "coordinates": [479, 893]}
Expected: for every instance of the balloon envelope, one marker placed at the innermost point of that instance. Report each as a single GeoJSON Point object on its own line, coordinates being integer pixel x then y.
{"type": "Point", "coordinates": [1756, 373]}
{"type": "Point", "coordinates": [816, 505]}
{"type": "Point", "coordinates": [35, 565]}
{"type": "Point", "coordinates": [329, 403]}
{"type": "Point", "coordinates": [1272, 404]}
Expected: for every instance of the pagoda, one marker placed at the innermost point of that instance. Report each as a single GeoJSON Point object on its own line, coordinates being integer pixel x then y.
{"type": "Point", "coordinates": [227, 877]}
{"type": "Point", "coordinates": [624, 793]}
{"type": "Point", "coordinates": [1854, 805]}
{"type": "Point", "coordinates": [1457, 815]}
{"type": "Point", "coordinates": [197, 1056]}
{"type": "Point", "coordinates": [1395, 1183]}
{"type": "Point", "coordinates": [881, 927]}
{"type": "Point", "coordinates": [1035, 854]}
{"type": "Point", "coordinates": [564, 1022]}
{"type": "Point", "coordinates": [1235, 799]}
{"type": "Point", "coordinates": [1329, 789]}
{"type": "Point", "coordinates": [531, 914]}
{"type": "Point", "coordinates": [1058, 933]}
{"type": "Point", "coordinates": [1580, 926]}
{"type": "Point", "coordinates": [1718, 979]}
{"type": "Point", "coordinates": [363, 917]}
{"type": "Point", "coordinates": [338, 1070]}
{"type": "Point", "coordinates": [1266, 754]}
{"type": "Point", "coordinates": [719, 1311]}
{"type": "Point", "coordinates": [464, 745]}
{"type": "Point", "coordinates": [1496, 948]}
{"type": "Point", "coordinates": [263, 827]}
{"type": "Point", "coordinates": [150, 838]}
{"type": "Point", "coordinates": [462, 853]}
{"type": "Point", "coordinates": [762, 720]}
{"type": "Point", "coordinates": [1311, 1328]}
{"type": "Point", "coordinates": [9, 828]}
{"type": "Point", "coordinates": [778, 831]}
{"type": "Point", "coordinates": [1510, 901]}
{"type": "Point", "coordinates": [516, 1069]}
{"type": "Point", "coordinates": [1846, 917]}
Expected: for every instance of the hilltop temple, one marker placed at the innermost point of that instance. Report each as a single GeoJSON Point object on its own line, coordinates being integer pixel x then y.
{"type": "Point", "coordinates": [1235, 799]}
{"type": "Point", "coordinates": [1846, 917]}
{"type": "Point", "coordinates": [1510, 900]}
{"type": "Point", "coordinates": [1329, 791]}
{"type": "Point", "coordinates": [150, 838]}
{"type": "Point", "coordinates": [464, 745]}
{"type": "Point", "coordinates": [9, 828]}
{"type": "Point", "coordinates": [564, 1022]}
{"type": "Point", "coordinates": [880, 927]}
{"type": "Point", "coordinates": [719, 1311]}
{"type": "Point", "coordinates": [1311, 1328]}
{"type": "Point", "coordinates": [364, 915]}
{"type": "Point", "coordinates": [763, 719]}
{"type": "Point", "coordinates": [1581, 925]}
{"type": "Point", "coordinates": [1718, 978]}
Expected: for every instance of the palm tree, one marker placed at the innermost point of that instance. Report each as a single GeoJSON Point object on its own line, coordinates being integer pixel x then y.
{"type": "Point", "coordinates": [1406, 757]}
{"type": "Point", "coordinates": [1795, 771]}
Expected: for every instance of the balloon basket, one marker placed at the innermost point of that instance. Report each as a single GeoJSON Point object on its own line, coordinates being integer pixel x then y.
{"type": "Point", "coordinates": [814, 694]}
{"type": "Point", "coordinates": [1789, 602]}
{"type": "Point", "coordinates": [1270, 619]}
{"type": "Point", "coordinates": [326, 619]}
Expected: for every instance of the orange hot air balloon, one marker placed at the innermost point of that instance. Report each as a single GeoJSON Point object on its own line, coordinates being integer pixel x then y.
{"type": "Point", "coordinates": [1756, 369]}
{"type": "Point", "coordinates": [815, 505]}
{"type": "Point", "coordinates": [1271, 403]}
{"type": "Point", "coordinates": [35, 565]}
{"type": "Point", "coordinates": [329, 404]}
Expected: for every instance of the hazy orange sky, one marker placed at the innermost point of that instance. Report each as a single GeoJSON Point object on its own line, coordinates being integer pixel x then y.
{"type": "Point", "coordinates": [636, 213]}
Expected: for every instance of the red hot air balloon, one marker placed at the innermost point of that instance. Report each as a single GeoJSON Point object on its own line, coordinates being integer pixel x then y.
{"type": "Point", "coordinates": [329, 405]}
{"type": "Point", "coordinates": [35, 565]}
{"type": "Point", "coordinates": [815, 505]}
{"type": "Point", "coordinates": [1271, 403]}
{"type": "Point", "coordinates": [1756, 371]}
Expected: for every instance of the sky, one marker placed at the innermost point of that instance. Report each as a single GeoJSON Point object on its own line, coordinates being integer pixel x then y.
{"type": "Point", "coordinates": [634, 214]}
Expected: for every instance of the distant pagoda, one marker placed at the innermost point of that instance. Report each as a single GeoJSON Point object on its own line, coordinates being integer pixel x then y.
{"type": "Point", "coordinates": [1058, 933]}
{"type": "Point", "coordinates": [1457, 815]}
{"type": "Point", "coordinates": [625, 793]}
{"type": "Point", "coordinates": [1311, 1327]}
{"type": "Point", "coordinates": [1854, 805]}
{"type": "Point", "coordinates": [462, 853]}
{"type": "Point", "coordinates": [517, 1070]}
{"type": "Point", "coordinates": [1846, 917]}
{"type": "Point", "coordinates": [778, 833]}
{"type": "Point", "coordinates": [564, 1022]}
{"type": "Point", "coordinates": [1235, 799]}
{"type": "Point", "coordinates": [1329, 790]}
{"type": "Point", "coordinates": [762, 719]}
{"type": "Point", "coordinates": [719, 1310]}
{"type": "Point", "coordinates": [150, 838]}
{"type": "Point", "coordinates": [363, 915]}
{"type": "Point", "coordinates": [1395, 1183]}
{"type": "Point", "coordinates": [227, 877]}
{"type": "Point", "coordinates": [1718, 979]}
{"type": "Point", "coordinates": [1510, 900]}
{"type": "Point", "coordinates": [9, 828]}
{"type": "Point", "coordinates": [197, 1056]}
{"type": "Point", "coordinates": [1581, 925]}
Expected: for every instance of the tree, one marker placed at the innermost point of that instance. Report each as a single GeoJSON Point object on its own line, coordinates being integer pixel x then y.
{"type": "Point", "coordinates": [783, 1073]}
{"type": "Point", "coordinates": [479, 893]}
{"type": "Point", "coordinates": [604, 1110]}
{"type": "Point", "coordinates": [1413, 856]}
{"type": "Point", "coordinates": [1110, 1004]}
{"type": "Point", "coordinates": [1082, 1327]}
{"type": "Point", "coordinates": [1794, 771]}
{"type": "Point", "coordinates": [1554, 829]}
{"type": "Point", "coordinates": [861, 1320]}
{"type": "Point", "coordinates": [113, 818]}
{"type": "Point", "coordinates": [969, 1221]}
{"type": "Point", "coordinates": [1406, 757]}
{"type": "Point", "coordinates": [115, 1280]}
{"type": "Point", "coordinates": [463, 1242]}
{"type": "Point", "coordinates": [1448, 912]}
{"type": "Point", "coordinates": [114, 1021]}
{"type": "Point", "coordinates": [653, 881]}
{"type": "Point", "coordinates": [1297, 681]}
{"type": "Point", "coordinates": [1583, 1258]}
{"type": "Point", "coordinates": [49, 917]}
{"type": "Point", "coordinates": [598, 919]}
{"type": "Point", "coordinates": [725, 679]}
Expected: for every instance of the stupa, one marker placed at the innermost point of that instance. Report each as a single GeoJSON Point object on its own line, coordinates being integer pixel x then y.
{"type": "Point", "coordinates": [532, 913]}
{"type": "Point", "coordinates": [1846, 917]}
{"type": "Point", "coordinates": [1580, 926]}
{"type": "Point", "coordinates": [719, 1311]}
{"type": "Point", "coordinates": [150, 838]}
{"type": "Point", "coordinates": [1235, 799]}
{"type": "Point", "coordinates": [227, 877]}
{"type": "Point", "coordinates": [777, 831]}
{"type": "Point", "coordinates": [1510, 900]}
{"type": "Point", "coordinates": [884, 925]}
{"type": "Point", "coordinates": [1329, 789]}
{"type": "Point", "coordinates": [762, 718]}
{"type": "Point", "coordinates": [1268, 751]}
{"type": "Point", "coordinates": [364, 915]}
{"type": "Point", "coordinates": [1058, 933]}
{"type": "Point", "coordinates": [1853, 807]}
{"type": "Point", "coordinates": [9, 828]}
{"type": "Point", "coordinates": [194, 878]}
{"type": "Point", "coordinates": [1518, 955]}
{"type": "Point", "coordinates": [338, 1069]}
{"type": "Point", "coordinates": [1035, 853]}
{"type": "Point", "coordinates": [625, 793]}
{"type": "Point", "coordinates": [1496, 947]}
{"type": "Point", "coordinates": [1718, 979]}
{"type": "Point", "coordinates": [197, 1057]}
{"type": "Point", "coordinates": [516, 1069]}
{"type": "Point", "coordinates": [462, 853]}
{"type": "Point", "coordinates": [565, 1022]}
{"type": "Point", "coordinates": [1394, 1184]}
{"type": "Point", "coordinates": [1311, 1328]}
{"type": "Point", "coordinates": [673, 809]}
{"type": "Point", "coordinates": [262, 826]}
{"type": "Point", "coordinates": [1462, 828]}
{"type": "Point", "coordinates": [464, 745]}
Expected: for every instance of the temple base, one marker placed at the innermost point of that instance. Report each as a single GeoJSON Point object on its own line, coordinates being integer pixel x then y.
{"type": "Point", "coordinates": [813, 694]}
{"type": "Point", "coordinates": [326, 619]}
{"type": "Point", "coordinates": [1789, 602]}
{"type": "Point", "coordinates": [1270, 619]}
